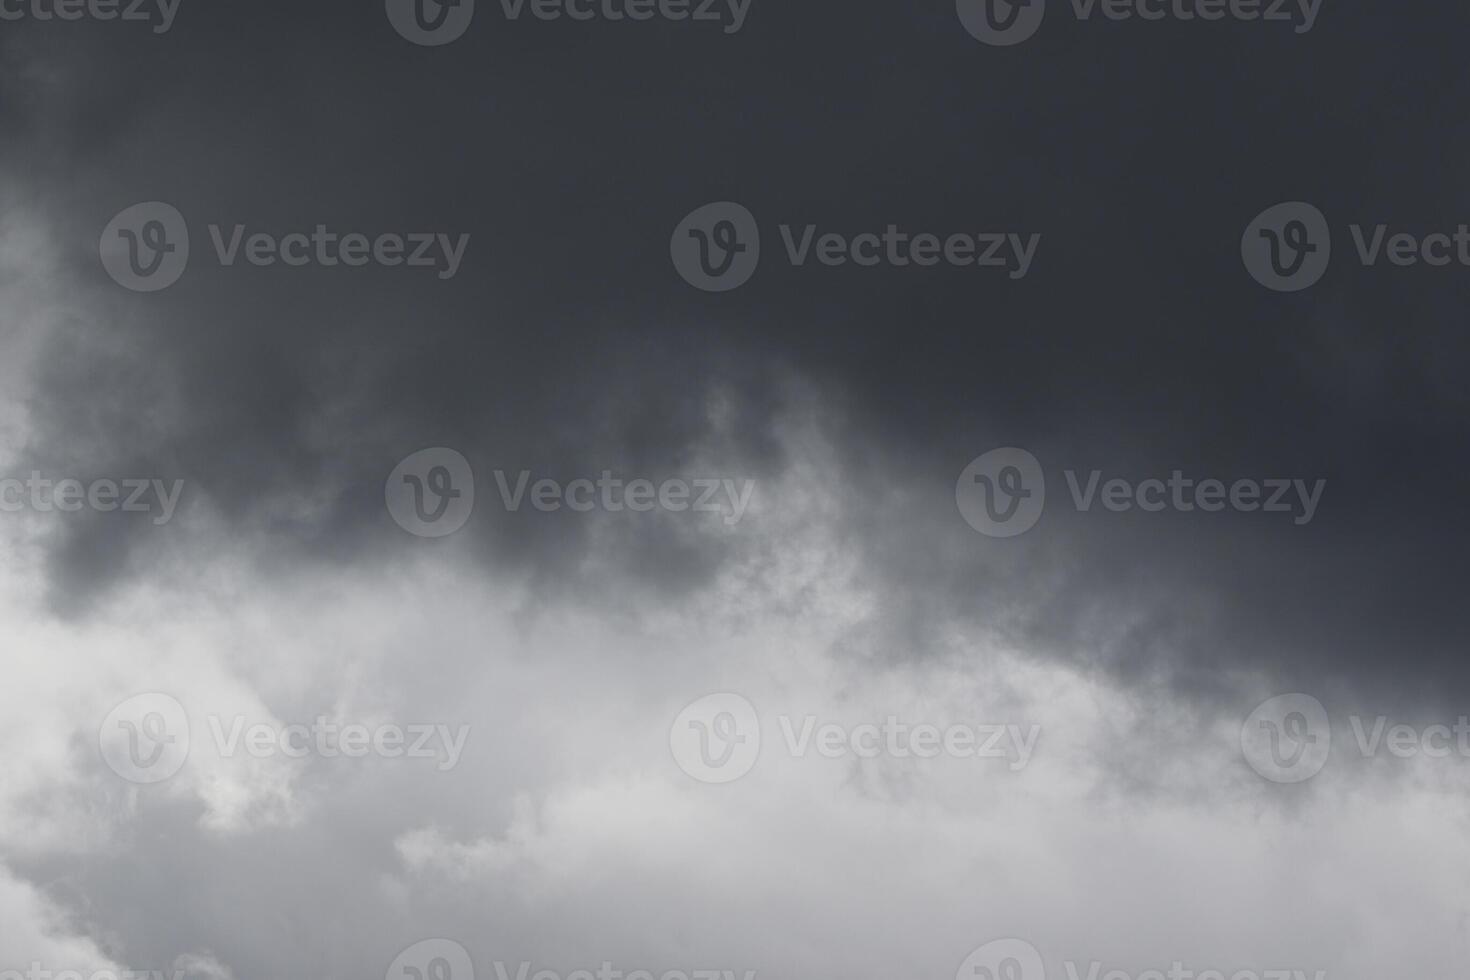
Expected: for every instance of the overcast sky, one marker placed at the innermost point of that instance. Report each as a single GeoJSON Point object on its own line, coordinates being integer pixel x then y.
{"type": "Point", "coordinates": [268, 416]}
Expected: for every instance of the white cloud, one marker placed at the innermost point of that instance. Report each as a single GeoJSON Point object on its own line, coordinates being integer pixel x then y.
{"type": "Point", "coordinates": [568, 836]}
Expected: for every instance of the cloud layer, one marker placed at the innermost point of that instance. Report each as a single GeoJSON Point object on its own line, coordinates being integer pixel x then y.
{"type": "Point", "coordinates": [851, 591]}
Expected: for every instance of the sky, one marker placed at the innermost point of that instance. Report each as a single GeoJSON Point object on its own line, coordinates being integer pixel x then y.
{"type": "Point", "coordinates": [812, 490]}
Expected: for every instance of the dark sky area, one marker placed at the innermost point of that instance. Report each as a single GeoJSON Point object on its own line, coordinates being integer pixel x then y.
{"type": "Point", "coordinates": [567, 151]}
{"type": "Point", "coordinates": [1138, 344]}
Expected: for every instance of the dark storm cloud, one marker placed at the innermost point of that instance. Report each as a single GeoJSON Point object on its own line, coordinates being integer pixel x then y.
{"type": "Point", "coordinates": [567, 343]}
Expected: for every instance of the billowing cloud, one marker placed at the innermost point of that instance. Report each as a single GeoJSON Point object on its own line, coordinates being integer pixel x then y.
{"type": "Point", "coordinates": [542, 654]}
